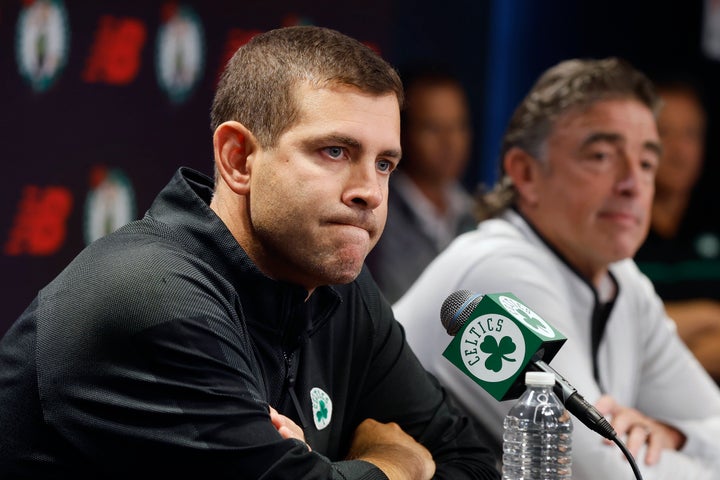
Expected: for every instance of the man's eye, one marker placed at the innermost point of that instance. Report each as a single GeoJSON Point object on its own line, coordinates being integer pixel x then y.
{"type": "Point", "coordinates": [385, 166]}
{"type": "Point", "coordinates": [599, 155]}
{"type": "Point", "coordinates": [334, 152]}
{"type": "Point", "coordinates": [649, 164]}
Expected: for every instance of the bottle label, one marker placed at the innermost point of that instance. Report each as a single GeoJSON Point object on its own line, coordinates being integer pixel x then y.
{"type": "Point", "coordinates": [544, 414]}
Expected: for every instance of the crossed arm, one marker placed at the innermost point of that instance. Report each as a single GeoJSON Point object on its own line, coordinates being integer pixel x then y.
{"type": "Point", "coordinates": [385, 445]}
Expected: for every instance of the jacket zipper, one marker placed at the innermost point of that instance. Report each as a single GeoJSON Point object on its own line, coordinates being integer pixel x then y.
{"type": "Point", "coordinates": [291, 388]}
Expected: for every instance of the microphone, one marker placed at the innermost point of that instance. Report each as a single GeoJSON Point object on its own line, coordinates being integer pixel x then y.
{"type": "Point", "coordinates": [497, 338]}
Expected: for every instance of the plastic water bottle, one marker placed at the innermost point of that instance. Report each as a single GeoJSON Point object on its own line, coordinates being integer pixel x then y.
{"type": "Point", "coordinates": [537, 441]}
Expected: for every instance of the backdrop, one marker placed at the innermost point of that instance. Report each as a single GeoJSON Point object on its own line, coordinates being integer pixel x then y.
{"type": "Point", "coordinates": [101, 101]}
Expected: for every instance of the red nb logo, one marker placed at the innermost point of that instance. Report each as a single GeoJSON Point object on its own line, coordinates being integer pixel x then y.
{"type": "Point", "coordinates": [115, 57]}
{"type": "Point", "coordinates": [39, 227]}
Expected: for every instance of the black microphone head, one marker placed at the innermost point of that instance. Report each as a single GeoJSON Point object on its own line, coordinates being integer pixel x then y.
{"type": "Point", "coordinates": [456, 309]}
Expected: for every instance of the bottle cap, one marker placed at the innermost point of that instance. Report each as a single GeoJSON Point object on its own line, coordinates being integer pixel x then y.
{"type": "Point", "coordinates": [539, 378]}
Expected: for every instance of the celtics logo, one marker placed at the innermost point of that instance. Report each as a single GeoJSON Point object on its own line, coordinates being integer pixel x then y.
{"type": "Point", "coordinates": [528, 317]}
{"type": "Point", "coordinates": [42, 42]}
{"type": "Point", "coordinates": [498, 342]}
{"type": "Point", "coordinates": [110, 204]}
{"type": "Point", "coordinates": [492, 348]}
{"type": "Point", "coordinates": [180, 51]}
{"type": "Point", "coordinates": [322, 408]}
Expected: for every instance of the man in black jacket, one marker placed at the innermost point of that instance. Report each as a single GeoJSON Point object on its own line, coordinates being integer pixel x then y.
{"type": "Point", "coordinates": [233, 332]}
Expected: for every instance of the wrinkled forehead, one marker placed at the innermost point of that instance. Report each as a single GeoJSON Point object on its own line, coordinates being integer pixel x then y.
{"type": "Point", "coordinates": [622, 121]}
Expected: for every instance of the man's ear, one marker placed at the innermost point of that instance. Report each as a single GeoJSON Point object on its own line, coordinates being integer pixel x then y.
{"type": "Point", "coordinates": [524, 170]}
{"type": "Point", "coordinates": [234, 146]}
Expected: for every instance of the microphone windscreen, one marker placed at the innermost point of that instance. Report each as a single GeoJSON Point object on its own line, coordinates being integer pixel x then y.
{"type": "Point", "coordinates": [456, 309]}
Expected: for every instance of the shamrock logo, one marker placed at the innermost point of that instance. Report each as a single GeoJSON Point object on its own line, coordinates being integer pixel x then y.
{"type": "Point", "coordinates": [531, 319]}
{"type": "Point", "coordinates": [322, 412]}
{"type": "Point", "coordinates": [497, 351]}
{"type": "Point", "coordinates": [322, 407]}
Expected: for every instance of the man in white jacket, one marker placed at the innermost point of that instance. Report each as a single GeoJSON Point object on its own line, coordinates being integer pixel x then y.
{"type": "Point", "coordinates": [571, 209]}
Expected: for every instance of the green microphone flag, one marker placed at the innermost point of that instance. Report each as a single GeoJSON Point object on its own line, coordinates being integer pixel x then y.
{"type": "Point", "coordinates": [500, 338]}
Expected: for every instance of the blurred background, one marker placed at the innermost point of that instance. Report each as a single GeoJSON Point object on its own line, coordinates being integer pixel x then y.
{"type": "Point", "coordinates": [101, 101]}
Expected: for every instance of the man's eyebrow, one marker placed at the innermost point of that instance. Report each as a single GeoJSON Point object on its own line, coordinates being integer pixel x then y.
{"type": "Point", "coordinates": [344, 140]}
{"type": "Point", "coordinates": [655, 147]}
{"type": "Point", "coordinates": [602, 137]}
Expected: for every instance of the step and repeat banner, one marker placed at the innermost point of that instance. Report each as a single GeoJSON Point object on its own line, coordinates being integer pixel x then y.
{"type": "Point", "coordinates": [101, 101]}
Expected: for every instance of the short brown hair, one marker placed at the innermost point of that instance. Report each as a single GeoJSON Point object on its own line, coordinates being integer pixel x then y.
{"type": "Point", "coordinates": [258, 84]}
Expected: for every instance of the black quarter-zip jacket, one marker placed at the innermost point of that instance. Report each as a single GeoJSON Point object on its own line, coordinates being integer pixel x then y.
{"type": "Point", "coordinates": [160, 347]}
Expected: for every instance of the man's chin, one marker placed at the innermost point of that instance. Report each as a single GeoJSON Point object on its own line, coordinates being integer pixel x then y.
{"type": "Point", "coordinates": [345, 274]}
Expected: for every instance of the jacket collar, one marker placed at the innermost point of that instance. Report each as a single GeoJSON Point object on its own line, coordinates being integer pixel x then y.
{"type": "Point", "coordinates": [183, 206]}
